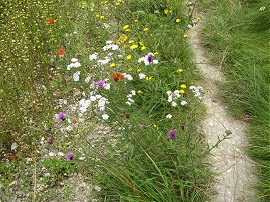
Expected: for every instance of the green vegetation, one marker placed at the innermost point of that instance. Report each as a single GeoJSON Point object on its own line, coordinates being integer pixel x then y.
{"type": "Point", "coordinates": [237, 34]}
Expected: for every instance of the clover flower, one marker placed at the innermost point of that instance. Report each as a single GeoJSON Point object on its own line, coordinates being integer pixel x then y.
{"type": "Point", "coordinates": [171, 134]}
{"type": "Point", "coordinates": [69, 156]}
{"type": "Point", "coordinates": [60, 117]}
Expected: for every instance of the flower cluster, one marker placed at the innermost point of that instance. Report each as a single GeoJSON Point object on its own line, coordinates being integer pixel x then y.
{"type": "Point", "coordinates": [74, 63]}
{"type": "Point", "coordinates": [173, 96]}
{"type": "Point", "coordinates": [130, 101]}
{"type": "Point", "coordinates": [197, 91]}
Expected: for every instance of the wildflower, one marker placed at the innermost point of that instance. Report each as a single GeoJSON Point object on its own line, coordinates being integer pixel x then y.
{"type": "Point", "coordinates": [112, 65]}
{"type": "Point", "coordinates": [171, 134]}
{"type": "Point", "coordinates": [140, 92]}
{"type": "Point", "coordinates": [180, 70]}
{"type": "Point", "coordinates": [145, 29]}
{"type": "Point", "coordinates": [107, 86]}
{"type": "Point", "coordinates": [61, 52]}
{"type": "Point", "coordinates": [97, 15]}
{"type": "Point", "coordinates": [262, 8]}
{"type": "Point", "coordinates": [93, 56]}
{"type": "Point", "coordinates": [182, 126]}
{"type": "Point", "coordinates": [128, 57]}
{"type": "Point", "coordinates": [139, 70]}
{"type": "Point", "coordinates": [183, 86]}
{"type": "Point", "coordinates": [148, 78]}
{"type": "Point", "coordinates": [76, 76]}
{"type": "Point", "coordinates": [101, 83]}
{"type": "Point", "coordinates": [185, 35]}
{"type": "Point", "coordinates": [168, 116]}
{"type": "Point", "coordinates": [148, 59]}
{"type": "Point", "coordinates": [49, 140]}
{"type": "Point", "coordinates": [101, 17]}
{"type": "Point", "coordinates": [182, 91]}
{"type": "Point", "coordinates": [198, 18]}
{"type": "Point", "coordinates": [74, 63]}
{"type": "Point", "coordinates": [167, 11]}
{"type": "Point", "coordinates": [74, 121]}
{"type": "Point", "coordinates": [134, 46]}
{"type": "Point", "coordinates": [50, 21]}
{"type": "Point", "coordinates": [60, 117]}
{"type": "Point", "coordinates": [177, 20]}
{"type": "Point", "coordinates": [135, 20]}
{"type": "Point", "coordinates": [143, 48]}
{"type": "Point", "coordinates": [125, 27]}
{"type": "Point", "coordinates": [87, 79]}
{"type": "Point", "coordinates": [183, 103]}
{"type": "Point", "coordinates": [142, 127]}
{"type": "Point", "coordinates": [12, 157]}
{"type": "Point", "coordinates": [130, 69]}
{"type": "Point", "coordinates": [128, 77]}
{"type": "Point", "coordinates": [117, 76]}
{"type": "Point", "coordinates": [174, 104]}
{"type": "Point", "coordinates": [69, 156]}
{"type": "Point", "coordinates": [105, 116]}
{"type": "Point", "coordinates": [154, 125]}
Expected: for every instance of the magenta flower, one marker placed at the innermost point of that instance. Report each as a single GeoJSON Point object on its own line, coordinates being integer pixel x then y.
{"type": "Point", "coordinates": [69, 156]}
{"type": "Point", "coordinates": [142, 127]}
{"type": "Point", "coordinates": [150, 58]}
{"type": "Point", "coordinates": [171, 134]}
{"type": "Point", "coordinates": [101, 83]}
{"type": "Point", "coordinates": [61, 116]}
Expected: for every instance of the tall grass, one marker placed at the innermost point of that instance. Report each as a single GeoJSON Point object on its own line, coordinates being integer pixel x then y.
{"type": "Point", "coordinates": [238, 32]}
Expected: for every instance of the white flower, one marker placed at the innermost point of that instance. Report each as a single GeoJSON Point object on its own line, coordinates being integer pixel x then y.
{"type": "Point", "coordinates": [102, 108]}
{"type": "Point", "coordinates": [155, 61]}
{"type": "Point", "coordinates": [142, 76]}
{"type": "Point", "coordinates": [133, 92]}
{"type": "Point", "coordinates": [170, 99]}
{"type": "Point", "coordinates": [130, 100]}
{"type": "Point", "coordinates": [76, 76]}
{"type": "Point", "coordinates": [128, 103]}
{"type": "Point", "coordinates": [183, 103]}
{"type": "Point", "coordinates": [87, 79]}
{"type": "Point", "coordinates": [76, 64]}
{"type": "Point", "coordinates": [93, 56]}
{"type": "Point", "coordinates": [168, 116]}
{"type": "Point", "coordinates": [105, 116]}
{"type": "Point", "coordinates": [104, 62]}
{"type": "Point", "coordinates": [107, 86]}
{"type": "Point", "coordinates": [98, 96]}
{"type": "Point", "coordinates": [109, 42]}
{"type": "Point", "coordinates": [93, 98]}
{"type": "Point", "coordinates": [74, 60]}
{"type": "Point", "coordinates": [169, 93]}
{"type": "Point", "coordinates": [174, 104]}
{"type": "Point", "coordinates": [128, 76]}
{"type": "Point", "coordinates": [51, 154]}
{"type": "Point", "coordinates": [61, 154]}
{"type": "Point", "coordinates": [69, 128]}
{"type": "Point", "coordinates": [129, 95]}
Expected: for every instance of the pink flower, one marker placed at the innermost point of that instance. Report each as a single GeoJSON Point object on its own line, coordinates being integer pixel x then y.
{"type": "Point", "coordinates": [69, 156]}
{"type": "Point", "coordinates": [171, 134]}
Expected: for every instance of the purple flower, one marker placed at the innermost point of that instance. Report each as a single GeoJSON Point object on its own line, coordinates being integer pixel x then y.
{"type": "Point", "coordinates": [150, 58]}
{"type": "Point", "coordinates": [101, 83]}
{"type": "Point", "coordinates": [171, 134]}
{"type": "Point", "coordinates": [61, 116]}
{"type": "Point", "coordinates": [142, 127]}
{"type": "Point", "coordinates": [69, 156]}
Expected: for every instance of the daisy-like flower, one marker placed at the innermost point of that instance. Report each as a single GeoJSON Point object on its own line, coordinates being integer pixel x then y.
{"type": "Point", "coordinates": [142, 76]}
{"type": "Point", "coordinates": [183, 103]}
{"type": "Point", "coordinates": [128, 76]}
{"type": "Point", "coordinates": [171, 134]}
{"type": "Point", "coordinates": [69, 156]}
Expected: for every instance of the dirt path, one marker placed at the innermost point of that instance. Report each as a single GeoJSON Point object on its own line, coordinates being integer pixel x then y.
{"type": "Point", "coordinates": [235, 169]}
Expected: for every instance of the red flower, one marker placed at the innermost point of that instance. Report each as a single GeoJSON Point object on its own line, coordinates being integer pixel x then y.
{"type": "Point", "coordinates": [61, 52]}
{"type": "Point", "coordinates": [13, 156]}
{"type": "Point", "coordinates": [116, 77]}
{"type": "Point", "coordinates": [50, 21]}
{"type": "Point", "coordinates": [74, 121]}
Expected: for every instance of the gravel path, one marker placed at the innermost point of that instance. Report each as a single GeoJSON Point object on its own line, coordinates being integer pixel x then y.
{"type": "Point", "coordinates": [235, 169]}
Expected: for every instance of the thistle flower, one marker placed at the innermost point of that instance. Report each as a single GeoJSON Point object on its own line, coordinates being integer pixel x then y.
{"type": "Point", "coordinates": [101, 83]}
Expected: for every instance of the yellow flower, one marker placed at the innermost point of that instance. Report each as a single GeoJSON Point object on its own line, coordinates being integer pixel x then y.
{"type": "Point", "coordinates": [134, 46]}
{"type": "Point", "coordinates": [130, 69]}
{"type": "Point", "coordinates": [129, 57]}
{"type": "Point", "coordinates": [148, 78]}
{"type": "Point", "coordinates": [154, 125]}
{"type": "Point", "coordinates": [177, 20]}
{"type": "Point", "coordinates": [185, 35]}
{"type": "Point", "coordinates": [112, 65]}
{"type": "Point", "coordinates": [143, 48]}
{"type": "Point", "coordinates": [101, 17]}
{"type": "Point", "coordinates": [167, 11]}
{"type": "Point", "coordinates": [125, 27]}
{"type": "Point", "coordinates": [182, 91]}
{"type": "Point", "coordinates": [97, 15]}
{"type": "Point", "coordinates": [130, 41]}
{"type": "Point", "coordinates": [183, 86]}
{"type": "Point", "coordinates": [180, 70]}
{"type": "Point", "coordinates": [139, 92]}
{"type": "Point", "coordinates": [156, 53]}
{"type": "Point", "coordinates": [198, 18]}
{"type": "Point", "coordinates": [145, 29]}
{"type": "Point", "coordinates": [123, 38]}
{"type": "Point", "coordinates": [139, 70]}
{"type": "Point", "coordinates": [135, 20]}
{"type": "Point", "coordinates": [127, 30]}
{"type": "Point", "coordinates": [117, 3]}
